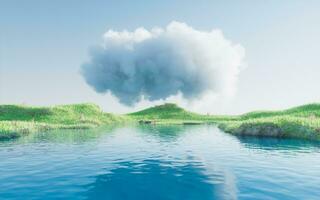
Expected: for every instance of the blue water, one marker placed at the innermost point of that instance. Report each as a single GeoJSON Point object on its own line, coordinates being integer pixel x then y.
{"type": "Point", "coordinates": [157, 162]}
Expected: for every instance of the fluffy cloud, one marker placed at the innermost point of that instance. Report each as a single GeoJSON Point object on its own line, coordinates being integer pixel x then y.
{"type": "Point", "coordinates": [160, 63]}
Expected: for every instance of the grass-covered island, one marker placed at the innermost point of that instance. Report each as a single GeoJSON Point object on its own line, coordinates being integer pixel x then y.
{"type": "Point", "coordinates": [299, 122]}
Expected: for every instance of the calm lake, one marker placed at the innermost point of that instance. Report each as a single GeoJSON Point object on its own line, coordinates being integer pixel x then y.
{"type": "Point", "coordinates": [157, 162]}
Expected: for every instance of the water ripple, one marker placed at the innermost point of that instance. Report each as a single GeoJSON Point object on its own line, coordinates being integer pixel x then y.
{"type": "Point", "coordinates": [157, 162]}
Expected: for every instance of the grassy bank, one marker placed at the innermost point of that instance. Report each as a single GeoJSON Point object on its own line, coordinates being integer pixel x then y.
{"type": "Point", "coordinates": [298, 122]}
{"type": "Point", "coordinates": [17, 120]}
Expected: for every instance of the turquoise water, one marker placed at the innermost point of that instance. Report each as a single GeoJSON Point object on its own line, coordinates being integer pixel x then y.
{"type": "Point", "coordinates": [157, 162]}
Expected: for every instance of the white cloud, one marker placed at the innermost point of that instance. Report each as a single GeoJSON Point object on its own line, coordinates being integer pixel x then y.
{"type": "Point", "coordinates": [177, 63]}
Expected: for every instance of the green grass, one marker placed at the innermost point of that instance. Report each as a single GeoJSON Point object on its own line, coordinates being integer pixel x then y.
{"type": "Point", "coordinates": [16, 120]}
{"type": "Point", "coordinates": [171, 113]}
{"type": "Point", "coordinates": [65, 114]}
{"type": "Point", "coordinates": [165, 111]}
{"type": "Point", "coordinates": [297, 122]}
{"type": "Point", "coordinates": [13, 129]}
{"type": "Point", "coordinates": [277, 126]}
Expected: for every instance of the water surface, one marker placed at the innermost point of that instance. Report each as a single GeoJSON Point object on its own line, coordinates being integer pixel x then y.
{"type": "Point", "coordinates": [157, 162]}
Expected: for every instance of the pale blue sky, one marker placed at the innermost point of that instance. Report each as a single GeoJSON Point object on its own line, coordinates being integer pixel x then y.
{"type": "Point", "coordinates": [43, 44]}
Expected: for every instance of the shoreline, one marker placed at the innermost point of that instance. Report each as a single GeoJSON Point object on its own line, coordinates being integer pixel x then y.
{"type": "Point", "coordinates": [301, 122]}
{"type": "Point", "coordinates": [243, 129]}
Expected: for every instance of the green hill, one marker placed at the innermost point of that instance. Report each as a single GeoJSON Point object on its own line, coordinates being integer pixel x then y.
{"type": "Point", "coordinates": [170, 113]}
{"type": "Point", "coordinates": [299, 122]}
{"type": "Point", "coordinates": [62, 114]}
{"type": "Point", "coordinates": [300, 111]}
{"type": "Point", "coordinates": [20, 119]}
{"type": "Point", "coordinates": [165, 111]}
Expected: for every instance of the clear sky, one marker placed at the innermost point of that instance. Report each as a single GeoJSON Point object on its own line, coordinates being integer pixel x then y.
{"type": "Point", "coordinates": [43, 44]}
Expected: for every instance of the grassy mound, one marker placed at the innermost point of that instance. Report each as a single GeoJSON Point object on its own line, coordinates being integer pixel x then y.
{"type": "Point", "coordinates": [165, 111]}
{"type": "Point", "coordinates": [64, 114]}
{"type": "Point", "coordinates": [16, 120]}
{"type": "Point", "coordinates": [298, 122]}
{"type": "Point", "coordinates": [309, 110]}
{"type": "Point", "coordinates": [169, 113]}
